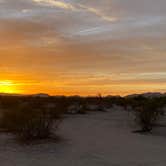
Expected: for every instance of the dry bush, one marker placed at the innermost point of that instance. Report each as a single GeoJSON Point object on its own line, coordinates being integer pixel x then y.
{"type": "Point", "coordinates": [29, 121]}
{"type": "Point", "coordinates": [147, 113]}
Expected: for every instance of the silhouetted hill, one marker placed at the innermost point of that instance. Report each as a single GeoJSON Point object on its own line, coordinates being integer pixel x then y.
{"type": "Point", "coordinates": [148, 95]}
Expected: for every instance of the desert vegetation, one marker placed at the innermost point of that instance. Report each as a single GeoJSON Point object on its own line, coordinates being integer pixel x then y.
{"type": "Point", "coordinates": [29, 118]}
{"type": "Point", "coordinates": [147, 111]}
{"type": "Point", "coordinates": [32, 117]}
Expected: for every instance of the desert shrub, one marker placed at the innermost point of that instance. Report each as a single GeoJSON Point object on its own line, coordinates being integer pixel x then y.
{"type": "Point", "coordinates": [29, 120]}
{"type": "Point", "coordinates": [147, 112]}
{"type": "Point", "coordinates": [61, 106]}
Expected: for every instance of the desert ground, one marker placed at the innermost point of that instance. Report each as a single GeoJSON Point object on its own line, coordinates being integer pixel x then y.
{"type": "Point", "coordinates": [94, 139]}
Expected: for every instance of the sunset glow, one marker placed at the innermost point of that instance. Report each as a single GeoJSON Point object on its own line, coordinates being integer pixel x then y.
{"type": "Point", "coordinates": [82, 47]}
{"type": "Point", "coordinates": [7, 87]}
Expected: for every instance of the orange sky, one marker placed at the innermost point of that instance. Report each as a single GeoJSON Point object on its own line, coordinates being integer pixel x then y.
{"type": "Point", "coordinates": [82, 47]}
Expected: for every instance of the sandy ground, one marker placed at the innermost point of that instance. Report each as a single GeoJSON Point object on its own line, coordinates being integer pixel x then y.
{"type": "Point", "coordinates": [97, 139]}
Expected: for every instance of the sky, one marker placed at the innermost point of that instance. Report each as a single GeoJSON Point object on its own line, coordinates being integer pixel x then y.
{"type": "Point", "coordinates": [82, 47]}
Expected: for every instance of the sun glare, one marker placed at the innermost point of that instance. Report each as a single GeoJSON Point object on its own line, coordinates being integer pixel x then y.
{"type": "Point", "coordinates": [7, 87]}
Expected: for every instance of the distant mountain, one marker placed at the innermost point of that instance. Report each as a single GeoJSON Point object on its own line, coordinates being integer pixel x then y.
{"type": "Point", "coordinates": [10, 94]}
{"type": "Point", "coordinates": [152, 95]}
{"type": "Point", "coordinates": [33, 95]}
{"type": "Point", "coordinates": [148, 95]}
{"type": "Point", "coordinates": [41, 95]}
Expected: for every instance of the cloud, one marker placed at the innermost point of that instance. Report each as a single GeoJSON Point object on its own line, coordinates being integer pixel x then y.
{"type": "Point", "coordinates": [98, 13]}
{"type": "Point", "coordinates": [57, 40]}
{"type": "Point", "coordinates": [76, 7]}
{"type": "Point", "coordinates": [55, 3]}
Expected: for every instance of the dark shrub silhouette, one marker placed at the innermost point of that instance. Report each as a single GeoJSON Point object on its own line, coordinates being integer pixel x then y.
{"type": "Point", "coordinates": [31, 120]}
{"type": "Point", "coordinates": [147, 112]}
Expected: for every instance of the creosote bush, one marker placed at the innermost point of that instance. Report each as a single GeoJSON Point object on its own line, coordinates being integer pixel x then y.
{"type": "Point", "coordinates": [147, 112]}
{"type": "Point", "coordinates": [30, 121]}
